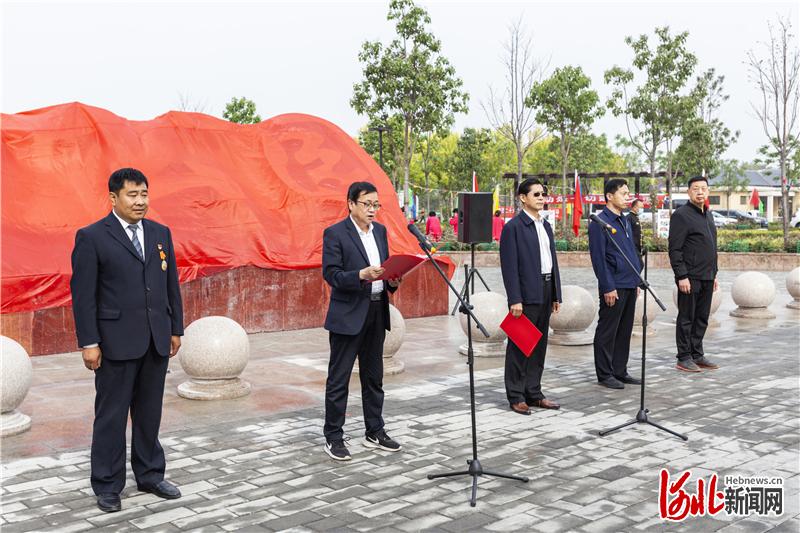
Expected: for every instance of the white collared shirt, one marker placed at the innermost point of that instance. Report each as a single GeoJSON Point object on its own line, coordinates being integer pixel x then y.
{"type": "Point", "coordinates": [368, 240]}
{"type": "Point", "coordinates": [139, 231]}
{"type": "Point", "coordinates": [544, 244]}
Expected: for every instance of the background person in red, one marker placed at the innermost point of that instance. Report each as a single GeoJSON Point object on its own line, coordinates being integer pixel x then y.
{"type": "Point", "coordinates": [497, 225]}
{"type": "Point", "coordinates": [433, 228]}
{"type": "Point", "coordinates": [454, 222]}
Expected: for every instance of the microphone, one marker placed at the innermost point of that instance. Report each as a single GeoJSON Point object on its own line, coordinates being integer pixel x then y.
{"type": "Point", "coordinates": [603, 223]}
{"type": "Point", "coordinates": [423, 241]}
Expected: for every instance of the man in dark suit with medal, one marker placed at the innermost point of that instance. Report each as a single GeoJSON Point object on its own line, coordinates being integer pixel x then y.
{"type": "Point", "coordinates": [129, 320]}
{"type": "Point", "coordinates": [618, 287]}
{"type": "Point", "coordinates": [533, 288]}
{"type": "Point", "coordinates": [358, 318]}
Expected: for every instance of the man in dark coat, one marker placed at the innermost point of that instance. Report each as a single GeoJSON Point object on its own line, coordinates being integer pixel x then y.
{"type": "Point", "coordinates": [693, 257]}
{"type": "Point", "coordinates": [358, 318]}
{"type": "Point", "coordinates": [533, 288]}
{"type": "Point", "coordinates": [129, 320]}
{"type": "Point", "coordinates": [617, 285]}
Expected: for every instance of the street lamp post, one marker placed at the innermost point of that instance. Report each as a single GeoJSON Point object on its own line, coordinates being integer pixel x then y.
{"type": "Point", "coordinates": [380, 130]}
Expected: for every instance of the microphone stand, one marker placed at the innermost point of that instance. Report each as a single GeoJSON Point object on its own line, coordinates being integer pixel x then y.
{"type": "Point", "coordinates": [474, 465]}
{"type": "Point", "coordinates": [641, 415]}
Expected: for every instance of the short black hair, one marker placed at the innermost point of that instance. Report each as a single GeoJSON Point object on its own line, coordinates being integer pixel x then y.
{"type": "Point", "coordinates": [432, 214]}
{"type": "Point", "coordinates": [118, 178]}
{"type": "Point", "coordinates": [358, 188]}
{"type": "Point", "coordinates": [612, 186]}
{"type": "Point", "coordinates": [497, 213]}
{"type": "Point", "coordinates": [635, 201]}
{"type": "Point", "coordinates": [455, 210]}
{"type": "Point", "coordinates": [696, 178]}
{"type": "Point", "coordinates": [525, 187]}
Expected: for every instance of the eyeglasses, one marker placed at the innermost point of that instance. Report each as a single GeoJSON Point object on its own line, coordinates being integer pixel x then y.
{"type": "Point", "coordinates": [537, 194]}
{"type": "Point", "coordinates": [369, 205]}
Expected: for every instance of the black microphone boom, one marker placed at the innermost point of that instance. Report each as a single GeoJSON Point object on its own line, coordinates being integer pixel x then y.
{"type": "Point", "coordinates": [420, 237]}
{"type": "Point", "coordinates": [602, 222]}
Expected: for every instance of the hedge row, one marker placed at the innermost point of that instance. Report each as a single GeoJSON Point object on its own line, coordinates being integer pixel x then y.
{"type": "Point", "coordinates": [728, 240]}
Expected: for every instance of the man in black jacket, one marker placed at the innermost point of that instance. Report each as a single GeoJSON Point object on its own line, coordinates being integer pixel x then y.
{"type": "Point", "coordinates": [533, 288]}
{"type": "Point", "coordinates": [129, 320]}
{"type": "Point", "coordinates": [358, 318]}
{"type": "Point", "coordinates": [693, 256]}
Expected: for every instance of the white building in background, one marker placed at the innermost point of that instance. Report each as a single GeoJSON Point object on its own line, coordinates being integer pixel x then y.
{"type": "Point", "coordinates": [768, 184]}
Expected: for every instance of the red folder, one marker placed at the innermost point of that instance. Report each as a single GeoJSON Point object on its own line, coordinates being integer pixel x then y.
{"type": "Point", "coordinates": [400, 265]}
{"type": "Point", "coordinates": [521, 332]}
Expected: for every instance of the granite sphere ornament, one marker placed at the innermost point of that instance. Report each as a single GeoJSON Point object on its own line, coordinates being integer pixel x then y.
{"type": "Point", "coordinates": [753, 292]}
{"type": "Point", "coordinates": [652, 311]}
{"type": "Point", "coordinates": [16, 381]}
{"type": "Point", "coordinates": [576, 313]}
{"type": "Point", "coordinates": [793, 287]}
{"type": "Point", "coordinates": [716, 301]}
{"type": "Point", "coordinates": [391, 344]}
{"type": "Point", "coordinates": [490, 308]}
{"type": "Point", "coordinates": [214, 352]}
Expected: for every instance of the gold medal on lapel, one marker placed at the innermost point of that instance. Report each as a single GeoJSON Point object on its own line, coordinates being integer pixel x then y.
{"type": "Point", "coordinates": [164, 266]}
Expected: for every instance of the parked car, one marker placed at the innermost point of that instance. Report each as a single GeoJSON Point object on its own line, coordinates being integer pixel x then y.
{"type": "Point", "coordinates": [795, 222]}
{"type": "Point", "coordinates": [720, 220]}
{"type": "Point", "coordinates": [743, 216]}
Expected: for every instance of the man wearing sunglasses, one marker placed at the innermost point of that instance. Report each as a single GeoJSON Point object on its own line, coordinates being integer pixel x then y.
{"type": "Point", "coordinates": [358, 318]}
{"type": "Point", "coordinates": [533, 288]}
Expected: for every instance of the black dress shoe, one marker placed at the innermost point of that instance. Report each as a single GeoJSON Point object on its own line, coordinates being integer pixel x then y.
{"type": "Point", "coordinates": [109, 502]}
{"type": "Point", "coordinates": [612, 383]}
{"type": "Point", "coordinates": [627, 378]}
{"type": "Point", "coordinates": [164, 489]}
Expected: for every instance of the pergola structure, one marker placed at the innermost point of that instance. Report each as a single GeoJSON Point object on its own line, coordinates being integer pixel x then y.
{"type": "Point", "coordinates": [605, 176]}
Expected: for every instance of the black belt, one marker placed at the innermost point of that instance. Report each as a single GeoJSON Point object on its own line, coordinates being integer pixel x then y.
{"type": "Point", "coordinates": [376, 296]}
{"type": "Point", "coordinates": [547, 277]}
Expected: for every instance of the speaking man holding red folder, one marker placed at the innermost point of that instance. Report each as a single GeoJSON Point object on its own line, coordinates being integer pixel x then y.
{"type": "Point", "coordinates": [533, 288]}
{"type": "Point", "coordinates": [358, 318]}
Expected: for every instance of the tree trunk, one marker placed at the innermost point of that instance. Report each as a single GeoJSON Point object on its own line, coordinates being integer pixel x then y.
{"type": "Point", "coordinates": [564, 155]}
{"type": "Point", "coordinates": [406, 166]}
{"type": "Point", "coordinates": [518, 179]}
{"type": "Point", "coordinates": [785, 202]}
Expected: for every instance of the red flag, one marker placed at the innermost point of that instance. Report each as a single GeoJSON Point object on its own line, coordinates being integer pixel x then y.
{"type": "Point", "coordinates": [577, 206]}
{"type": "Point", "coordinates": [474, 182]}
{"type": "Point", "coordinates": [754, 199]}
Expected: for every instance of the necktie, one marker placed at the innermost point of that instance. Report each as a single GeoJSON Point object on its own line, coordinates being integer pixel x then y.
{"type": "Point", "coordinates": [135, 241]}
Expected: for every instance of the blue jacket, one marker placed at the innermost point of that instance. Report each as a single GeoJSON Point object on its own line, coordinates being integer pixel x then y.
{"type": "Point", "coordinates": [343, 255]}
{"type": "Point", "coordinates": [120, 301]}
{"type": "Point", "coordinates": [521, 264]}
{"type": "Point", "coordinates": [609, 266]}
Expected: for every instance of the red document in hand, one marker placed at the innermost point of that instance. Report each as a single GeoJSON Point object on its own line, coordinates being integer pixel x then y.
{"type": "Point", "coordinates": [399, 265]}
{"type": "Point", "coordinates": [521, 332]}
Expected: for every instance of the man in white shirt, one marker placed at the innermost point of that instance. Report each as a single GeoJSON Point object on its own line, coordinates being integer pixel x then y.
{"type": "Point", "coordinates": [533, 288]}
{"type": "Point", "coordinates": [358, 318]}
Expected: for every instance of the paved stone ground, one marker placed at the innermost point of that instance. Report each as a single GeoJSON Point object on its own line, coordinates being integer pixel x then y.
{"type": "Point", "coordinates": [244, 470]}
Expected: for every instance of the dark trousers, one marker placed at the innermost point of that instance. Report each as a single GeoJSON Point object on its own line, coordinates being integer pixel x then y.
{"type": "Point", "coordinates": [692, 321]}
{"type": "Point", "coordinates": [135, 386]}
{"type": "Point", "coordinates": [612, 338]}
{"type": "Point", "coordinates": [368, 346]}
{"type": "Point", "coordinates": [523, 375]}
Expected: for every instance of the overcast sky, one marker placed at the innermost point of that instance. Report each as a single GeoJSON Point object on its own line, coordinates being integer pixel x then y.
{"type": "Point", "coordinates": [136, 59]}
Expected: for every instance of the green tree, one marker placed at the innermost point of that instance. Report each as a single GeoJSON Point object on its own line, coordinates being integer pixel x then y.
{"type": "Point", "coordinates": [369, 139]}
{"type": "Point", "coordinates": [410, 78]}
{"type": "Point", "coordinates": [469, 156]}
{"type": "Point", "coordinates": [776, 75]}
{"type": "Point", "coordinates": [241, 111]}
{"type": "Point", "coordinates": [730, 179]}
{"type": "Point", "coordinates": [704, 137]}
{"type": "Point", "coordinates": [566, 105]}
{"type": "Point", "coordinates": [655, 110]}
